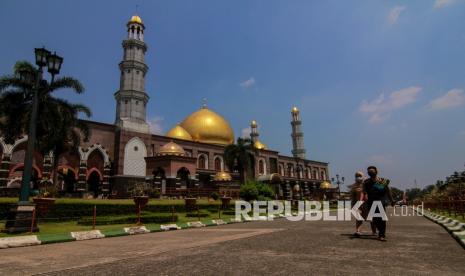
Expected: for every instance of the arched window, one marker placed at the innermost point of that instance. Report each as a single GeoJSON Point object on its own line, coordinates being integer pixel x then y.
{"type": "Point", "coordinates": [261, 167]}
{"type": "Point", "coordinates": [218, 164]}
{"type": "Point", "coordinates": [202, 161]}
{"type": "Point", "coordinates": [323, 175]}
{"type": "Point", "coordinates": [314, 174]}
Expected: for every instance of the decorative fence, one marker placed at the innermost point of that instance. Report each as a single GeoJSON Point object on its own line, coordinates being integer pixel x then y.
{"type": "Point", "coordinates": [452, 206]}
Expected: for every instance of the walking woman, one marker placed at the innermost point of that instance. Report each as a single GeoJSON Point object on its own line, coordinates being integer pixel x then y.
{"type": "Point", "coordinates": [356, 194]}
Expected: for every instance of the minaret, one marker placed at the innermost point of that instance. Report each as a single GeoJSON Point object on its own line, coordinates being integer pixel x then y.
{"type": "Point", "coordinates": [253, 131]}
{"type": "Point", "coordinates": [297, 135]}
{"type": "Point", "coordinates": [131, 98]}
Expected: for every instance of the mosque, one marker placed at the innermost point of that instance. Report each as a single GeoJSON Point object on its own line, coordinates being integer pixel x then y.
{"type": "Point", "coordinates": [188, 158]}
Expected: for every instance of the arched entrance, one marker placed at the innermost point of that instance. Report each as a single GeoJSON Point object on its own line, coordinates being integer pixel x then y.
{"type": "Point", "coordinates": [67, 179]}
{"type": "Point", "coordinates": [94, 182]}
{"type": "Point", "coordinates": [183, 176]}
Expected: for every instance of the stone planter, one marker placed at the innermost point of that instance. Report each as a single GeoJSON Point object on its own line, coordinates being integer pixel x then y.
{"type": "Point", "coordinates": [225, 202]}
{"type": "Point", "coordinates": [43, 205]}
{"type": "Point", "coordinates": [191, 203]}
{"type": "Point", "coordinates": [141, 201]}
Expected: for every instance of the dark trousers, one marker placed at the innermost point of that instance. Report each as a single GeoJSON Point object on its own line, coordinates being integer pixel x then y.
{"type": "Point", "coordinates": [379, 223]}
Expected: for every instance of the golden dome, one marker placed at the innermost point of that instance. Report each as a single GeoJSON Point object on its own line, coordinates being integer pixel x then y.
{"type": "Point", "coordinates": [171, 148]}
{"type": "Point", "coordinates": [179, 133]}
{"type": "Point", "coordinates": [295, 109]}
{"type": "Point", "coordinates": [325, 185]}
{"type": "Point", "coordinates": [136, 19]}
{"type": "Point", "coordinates": [207, 126]}
{"type": "Point", "coordinates": [222, 176]}
{"type": "Point", "coordinates": [253, 123]}
{"type": "Point", "coordinates": [259, 145]}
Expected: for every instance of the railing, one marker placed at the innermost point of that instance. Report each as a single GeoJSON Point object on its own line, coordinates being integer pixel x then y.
{"type": "Point", "coordinates": [451, 206]}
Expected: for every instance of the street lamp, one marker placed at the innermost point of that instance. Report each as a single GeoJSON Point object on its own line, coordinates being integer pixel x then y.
{"type": "Point", "coordinates": [24, 210]}
{"type": "Point", "coordinates": [338, 182]}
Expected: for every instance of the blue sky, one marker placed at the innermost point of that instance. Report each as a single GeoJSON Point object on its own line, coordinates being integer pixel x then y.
{"type": "Point", "coordinates": [377, 82]}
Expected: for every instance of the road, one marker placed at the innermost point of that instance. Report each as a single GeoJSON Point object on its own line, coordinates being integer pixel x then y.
{"type": "Point", "coordinates": [415, 246]}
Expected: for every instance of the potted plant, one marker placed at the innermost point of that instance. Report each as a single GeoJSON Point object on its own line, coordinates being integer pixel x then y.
{"type": "Point", "coordinates": [45, 198]}
{"type": "Point", "coordinates": [190, 202]}
{"type": "Point", "coordinates": [225, 200]}
{"type": "Point", "coordinates": [140, 196]}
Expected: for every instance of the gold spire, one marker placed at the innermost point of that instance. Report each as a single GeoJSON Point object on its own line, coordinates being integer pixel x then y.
{"type": "Point", "coordinates": [136, 19]}
{"type": "Point", "coordinates": [295, 109]}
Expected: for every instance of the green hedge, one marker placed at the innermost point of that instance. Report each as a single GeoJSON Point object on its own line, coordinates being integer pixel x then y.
{"type": "Point", "coordinates": [69, 209]}
{"type": "Point", "coordinates": [194, 215]}
{"type": "Point", "coordinates": [158, 218]}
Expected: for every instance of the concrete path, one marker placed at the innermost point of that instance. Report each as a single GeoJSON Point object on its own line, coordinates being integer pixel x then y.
{"type": "Point", "coordinates": [415, 246]}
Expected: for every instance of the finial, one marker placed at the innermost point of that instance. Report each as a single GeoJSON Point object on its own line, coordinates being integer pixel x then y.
{"type": "Point", "coordinates": [204, 103]}
{"type": "Point", "coordinates": [137, 9]}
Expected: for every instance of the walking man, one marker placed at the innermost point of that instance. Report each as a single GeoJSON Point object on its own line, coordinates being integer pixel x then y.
{"type": "Point", "coordinates": [377, 189]}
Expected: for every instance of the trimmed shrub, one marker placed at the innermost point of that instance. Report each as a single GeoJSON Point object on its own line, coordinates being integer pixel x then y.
{"type": "Point", "coordinates": [215, 196]}
{"type": "Point", "coordinates": [253, 190]}
{"type": "Point", "coordinates": [194, 215]}
{"type": "Point", "coordinates": [158, 218]}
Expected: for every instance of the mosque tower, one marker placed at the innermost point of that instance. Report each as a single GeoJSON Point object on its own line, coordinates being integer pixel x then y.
{"type": "Point", "coordinates": [297, 135]}
{"type": "Point", "coordinates": [131, 98]}
{"type": "Point", "coordinates": [253, 131]}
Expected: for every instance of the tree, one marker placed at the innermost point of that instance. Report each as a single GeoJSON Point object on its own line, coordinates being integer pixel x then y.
{"type": "Point", "coordinates": [58, 126]}
{"type": "Point", "coordinates": [238, 156]}
{"type": "Point", "coordinates": [396, 193]}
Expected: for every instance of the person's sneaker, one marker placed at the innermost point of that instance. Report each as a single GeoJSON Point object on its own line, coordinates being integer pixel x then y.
{"type": "Point", "coordinates": [383, 239]}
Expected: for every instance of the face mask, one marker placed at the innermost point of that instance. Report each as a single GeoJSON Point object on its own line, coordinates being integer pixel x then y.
{"type": "Point", "coordinates": [372, 174]}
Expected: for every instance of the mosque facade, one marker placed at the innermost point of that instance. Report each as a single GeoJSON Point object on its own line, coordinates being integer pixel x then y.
{"type": "Point", "coordinates": [189, 157]}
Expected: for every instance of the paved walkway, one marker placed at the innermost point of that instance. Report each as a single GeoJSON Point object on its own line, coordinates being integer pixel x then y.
{"type": "Point", "coordinates": [415, 246]}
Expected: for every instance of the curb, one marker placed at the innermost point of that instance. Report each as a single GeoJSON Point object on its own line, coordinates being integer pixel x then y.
{"type": "Point", "coordinates": [31, 240]}
{"type": "Point", "coordinates": [454, 227]}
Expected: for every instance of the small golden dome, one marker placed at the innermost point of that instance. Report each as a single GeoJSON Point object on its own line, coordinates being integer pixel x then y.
{"type": "Point", "coordinates": [136, 19]}
{"type": "Point", "coordinates": [253, 123]}
{"type": "Point", "coordinates": [295, 109]}
{"type": "Point", "coordinates": [325, 185]}
{"type": "Point", "coordinates": [171, 148]}
{"type": "Point", "coordinates": [259, 145]}
{"type": "Point", "coordinates": [207, 126]}
{"type": "Point", "coordinates": [179, 133]}
{"type": "Point", "coordinates": [222, 176]}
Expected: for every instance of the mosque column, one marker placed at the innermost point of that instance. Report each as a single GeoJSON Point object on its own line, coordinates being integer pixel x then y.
{"type": "Point", "coordinates": [82, 177]}
{"type": "Point", "coordinates": [4, 170]}
{"type": "Point", "coordinates": [106, 179]}
{"type": "Point", "coordinates": [47, 167]}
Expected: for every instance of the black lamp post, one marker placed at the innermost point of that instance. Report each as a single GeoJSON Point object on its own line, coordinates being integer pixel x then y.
{"type": "Point", "coordinates": [338, 183]}
{"type": "Point", "coordinates": [23, 213]}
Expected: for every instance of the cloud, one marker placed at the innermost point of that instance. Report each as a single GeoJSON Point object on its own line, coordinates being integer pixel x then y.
{"type": "Point", "coordinates": [443, 3]}
{"type": "Point", "coordinates": [247, 83]}
{"type": "Point", "coordinates": [395, 13]}
{"type": "Point", "coordinates": [380, 109]}
{"type": "Point", "coordinates": [452, 98]}
{"type": "Point", "coordinates": [155, 125]}
{"type": "Point", "coordinates": [245, 133]}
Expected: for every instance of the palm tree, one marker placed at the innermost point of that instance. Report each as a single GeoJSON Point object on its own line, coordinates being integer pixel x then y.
{"type": "Point", "coordinates": [58, 126]}
{"type": "Point", "coordinates": [239, 156]}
